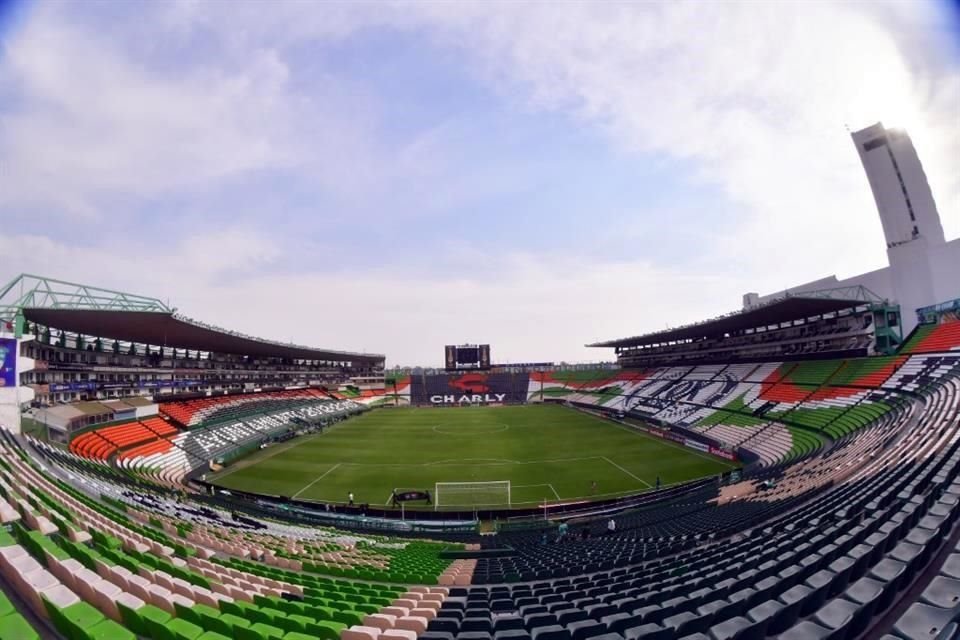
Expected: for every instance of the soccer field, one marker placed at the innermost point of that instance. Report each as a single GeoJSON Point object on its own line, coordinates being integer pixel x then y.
{"type": "Point", "coordinates": [547, 452]}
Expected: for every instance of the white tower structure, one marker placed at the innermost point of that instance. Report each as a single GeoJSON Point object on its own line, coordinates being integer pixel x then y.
{"type": "Point", "coordinates": [911, 223]}
{"type": "Point", "coordinates": [924, 267]}
{"type": "Point", "coordinates": [899, 185]}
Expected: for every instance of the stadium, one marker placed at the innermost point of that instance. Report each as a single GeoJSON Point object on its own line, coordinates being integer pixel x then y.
{"type": "Point", "coordinates": [787, 470]}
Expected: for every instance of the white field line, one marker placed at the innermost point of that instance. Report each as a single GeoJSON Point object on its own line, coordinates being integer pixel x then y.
{"type": "Point", "coordinates": [239, 466]}
{"type": "Point", "coordinates": [486, 462]}
{"type": "Point", "coordinates": [671, 443]}
{"type": "Point", "coordinates": [635, 477]}
{"type": "Point", "coordinates": [243, 463]}
{"type": "Point", "coordinates": [528, 486]}
{"type": "Point", "coordinates": [474, 462]}
{"type": "Point", "coordinates": [589, 498]}
{"type": "Point", "coordinates": [322, 476]}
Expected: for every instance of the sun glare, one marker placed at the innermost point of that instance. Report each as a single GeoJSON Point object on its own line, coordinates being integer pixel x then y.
{"type": "Point", "coordinates": [882, 87]}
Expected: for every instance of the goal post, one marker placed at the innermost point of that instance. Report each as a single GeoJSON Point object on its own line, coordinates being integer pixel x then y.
{"type": "Point", "coordinates": [494, 493]}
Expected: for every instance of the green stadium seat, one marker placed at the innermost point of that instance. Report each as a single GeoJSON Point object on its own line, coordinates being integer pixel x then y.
{"type": "Point", "coordinates": [138, 620]}
{"type": "Point", "coordinates": [179, 629]}
{"type": "Point", "coordinates": [326, 629]}
{"type": "Point", "coordinates": [259, 631]}
{"type": "Point", "coordinates": [15, 627]}
{"type": "Point", "coordinates": [109, 630]}
{"type": "Point", "coordinates": [74, 621]}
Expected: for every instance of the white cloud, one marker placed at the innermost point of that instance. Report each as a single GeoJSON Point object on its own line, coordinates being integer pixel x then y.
{"type": "Point", "coordinates": [756, 95]}
{"type": "Point", "coordinates": [92, 123]}
{"type": "Point", "coordinates": [528, 307]}
{"type": "Point", "coordinates": [753, 96]}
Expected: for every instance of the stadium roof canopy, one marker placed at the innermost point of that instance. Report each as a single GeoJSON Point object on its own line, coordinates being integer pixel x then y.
{"type": "Point", "coordinates": [786, 309]}
{"type": "Point", "coordinates": [127, 317]}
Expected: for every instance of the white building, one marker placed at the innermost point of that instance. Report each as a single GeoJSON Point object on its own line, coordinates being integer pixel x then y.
{"type": "Point", "coordinates": [924, 268]}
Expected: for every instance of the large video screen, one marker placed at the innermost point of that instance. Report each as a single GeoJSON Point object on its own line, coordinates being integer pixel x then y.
{"type": "Point", "coordinates": [468, 356]}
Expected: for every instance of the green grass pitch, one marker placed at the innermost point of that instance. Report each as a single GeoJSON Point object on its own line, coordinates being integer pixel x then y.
{"type": "Point", "coordinates": [547, 453]}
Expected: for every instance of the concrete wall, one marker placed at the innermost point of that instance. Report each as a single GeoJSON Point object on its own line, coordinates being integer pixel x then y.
{"type": "Point", "coordinates": [147, 410]}
{"type": "Point", "coordinates": [945, 266]}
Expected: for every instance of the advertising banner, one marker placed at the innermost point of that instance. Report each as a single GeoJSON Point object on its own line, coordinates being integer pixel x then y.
{"type": "Point", "coordinates": [720, 453]}
{"type": "Point", "coordinates": [8, 362]}
{"type": "Point", "coordinates": [72, 386]}
{"type": "Point", "coordinates": [469, 388]}
{"type": "Point", "coordinates": [693, 444]}
{"type": "Point", "coordinates": [408, 496]}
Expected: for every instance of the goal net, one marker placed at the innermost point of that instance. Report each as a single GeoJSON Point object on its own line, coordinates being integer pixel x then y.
{"type": "Point", "coordinates": [495, 493]}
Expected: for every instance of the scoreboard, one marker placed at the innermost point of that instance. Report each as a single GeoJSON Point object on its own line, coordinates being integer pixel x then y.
{"type": "Point", "coordinates": [466, 356]}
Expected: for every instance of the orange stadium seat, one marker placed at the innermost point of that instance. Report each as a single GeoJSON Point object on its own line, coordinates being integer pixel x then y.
{"type": "Point", "coordinates": [159, 426]}
{"type": "Point", "coordinates": [943, 337]}
{"type": "Point", "coordinates": [159, 445]}
{"type": "Point", "coordinates": [92, 445]}
{"type": "Point", "coordinates": [127, 434]}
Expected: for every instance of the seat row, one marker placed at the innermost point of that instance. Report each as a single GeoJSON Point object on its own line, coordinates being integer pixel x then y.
{"type": "Point", "coordinates": [102, 443]}
{"type": "Point", "coordinates": [191, 413]}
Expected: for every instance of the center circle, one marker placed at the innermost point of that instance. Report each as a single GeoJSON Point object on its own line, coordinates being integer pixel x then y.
{"type": "Point", "coordinates": [451, 429]}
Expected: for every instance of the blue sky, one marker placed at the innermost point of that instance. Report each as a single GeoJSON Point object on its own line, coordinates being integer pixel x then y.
{"type": "Point", "coordinates": [397, 176]}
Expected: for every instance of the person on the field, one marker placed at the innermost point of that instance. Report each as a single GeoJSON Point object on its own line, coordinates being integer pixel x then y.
{"type": "Point", "coordinates": [350, 498]}
{"type": "Point", "coordinates": [593, 487]}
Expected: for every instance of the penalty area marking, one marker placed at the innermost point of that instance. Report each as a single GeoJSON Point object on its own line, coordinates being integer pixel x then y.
{"type": "Point", "coordinates": [322, 476]}
{"type": "Point", "coordinates": [635, 477]}
{"type": "Point", "coordinates": [459, 460]}
{"type": "Point", "coordinates": [246, 463]}
{"type": "Point", "coordinates": [528, 486]}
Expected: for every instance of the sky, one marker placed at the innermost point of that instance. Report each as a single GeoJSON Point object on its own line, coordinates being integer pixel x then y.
{"type": "Point", "coordinates": [391, 177]}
